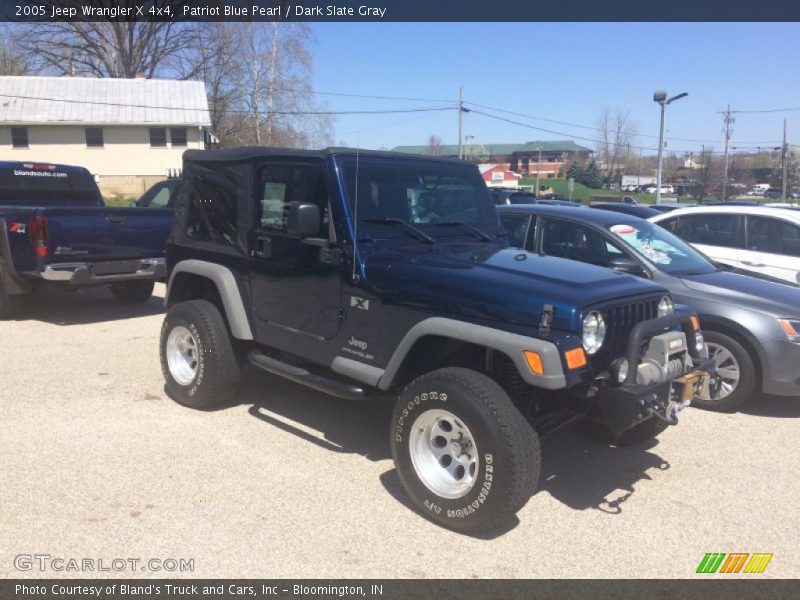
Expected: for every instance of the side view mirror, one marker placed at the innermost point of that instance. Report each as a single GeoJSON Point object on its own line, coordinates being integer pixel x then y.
{"type": "Point", "coordinates": [304, 219]}
{"type": "Point", "coordinates": [626, 265]}
{"type": "Point", "coordinates": [133, 204]}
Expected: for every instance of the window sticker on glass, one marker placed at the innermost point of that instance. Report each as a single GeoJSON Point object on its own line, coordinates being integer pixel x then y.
{"type": "Point", "coordinates": [657, 251]}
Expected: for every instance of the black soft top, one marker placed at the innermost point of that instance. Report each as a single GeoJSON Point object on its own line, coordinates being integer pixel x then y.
{"type": "Point", "coordinates": [253, 152]}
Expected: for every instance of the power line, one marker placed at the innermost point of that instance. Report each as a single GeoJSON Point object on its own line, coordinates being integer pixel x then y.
{"type": "Point", "coordinates": [246, 112]}
{"type": "Point", "coordinates": [586, 139]}
{"type": "Point", "coordinates": [343, 94]}
{"type": "Point", "coordinates": [592, 128]}
{"type": "Point", "coordinates": [767, 110]}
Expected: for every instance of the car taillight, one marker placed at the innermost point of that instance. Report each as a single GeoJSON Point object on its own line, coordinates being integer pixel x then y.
{"type": "Point", "coordinates": [37, 228]}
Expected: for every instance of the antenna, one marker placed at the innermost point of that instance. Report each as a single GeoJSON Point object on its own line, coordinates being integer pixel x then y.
{"type": "Point", "coordinates": [355, 218]}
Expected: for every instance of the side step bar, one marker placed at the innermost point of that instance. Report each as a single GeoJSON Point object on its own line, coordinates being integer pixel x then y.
{"type": "Point", "coordinates": [304, 377]}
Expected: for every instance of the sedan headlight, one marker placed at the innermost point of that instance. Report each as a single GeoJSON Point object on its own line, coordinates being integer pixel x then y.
{"type": "Point", "coordinates": [791, 328]}
{"type": "Point", "coordinates": [666, 306]}
{"type": "Point", "coordinates": [594, 332]}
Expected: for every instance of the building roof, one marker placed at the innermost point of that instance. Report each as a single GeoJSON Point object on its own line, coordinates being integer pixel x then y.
{"type": "Point", "coordinates": [86, 100]}
{"type": "Point", "coordinates": [566, 146]}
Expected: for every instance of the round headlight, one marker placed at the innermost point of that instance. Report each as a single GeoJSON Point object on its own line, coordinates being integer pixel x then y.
{"type": "Point", "coordinates": [594, 331]}
{"type": "Point", "coordinates": [666, 306]}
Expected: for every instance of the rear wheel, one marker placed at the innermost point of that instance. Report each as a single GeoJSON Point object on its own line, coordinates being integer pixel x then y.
{"type": "Point", "coordinates": [197, 357]}
{"type": "Point", "coordinates": [465, 455]}
{"type": "Point", "coordinates": [735, 369]}
{"type": "Point", "coordinates": [133, 292]}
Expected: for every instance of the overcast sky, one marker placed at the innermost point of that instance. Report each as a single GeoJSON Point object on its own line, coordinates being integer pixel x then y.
{"type": "Point", "coordinates": [563, 72]}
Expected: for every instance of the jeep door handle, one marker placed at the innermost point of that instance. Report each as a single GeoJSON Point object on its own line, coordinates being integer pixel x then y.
{"type": "Point", "coordinates": [264, 247]}
{"type": "Point", "coordinates": [115, 220]}
{"type": "Point", "coordinates": [752, 263]}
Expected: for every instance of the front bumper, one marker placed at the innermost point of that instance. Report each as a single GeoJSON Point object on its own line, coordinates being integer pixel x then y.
{"type": "Point", "coordinates": [631, 402]}
{"type": "Point", "coordinates": [99, 273]}
{"type": "Point", "coordinates": [628, 405]}
{"type": "Point", "coordinates": [781, 367]}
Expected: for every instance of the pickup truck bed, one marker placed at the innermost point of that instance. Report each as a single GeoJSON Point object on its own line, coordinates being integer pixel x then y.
{"type": "Point", "coordinates": [55, 228]}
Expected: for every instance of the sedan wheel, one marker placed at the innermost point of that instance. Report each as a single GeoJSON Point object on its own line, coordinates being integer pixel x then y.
{"type": "Point", "coordinates": [736, 372]}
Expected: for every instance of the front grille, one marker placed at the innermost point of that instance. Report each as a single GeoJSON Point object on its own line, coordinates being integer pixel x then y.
{"type": "Point", "coordinates": [620, 320]}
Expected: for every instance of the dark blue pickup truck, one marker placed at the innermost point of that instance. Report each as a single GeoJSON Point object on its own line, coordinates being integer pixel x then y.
{"type": "Point", "coordinates": [369, 274]}
{"type": "Point", "coordinates": [56, 229]}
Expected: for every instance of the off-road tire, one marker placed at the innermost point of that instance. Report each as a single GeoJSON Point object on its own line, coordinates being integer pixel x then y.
{"type": "Point", "coordinates": [133, 292]}
{"type": "Point", "coordinates": [747, 375]}
{"type": "Point", "coordinates": [217, 371]}
{"type": "Point", "coordinates": [506, 445]}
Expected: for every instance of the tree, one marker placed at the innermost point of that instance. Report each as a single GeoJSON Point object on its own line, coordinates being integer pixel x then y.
{"type": "Point", "coordinates": [575, 171]}
{"type": "Point", "coordinates": [11, 63]}
{"type": "Point", "coordinates": [592, 177]}
{"type": "Point", "coordinates": [618, 130]}
{"type": "Point", "coordinates": [435, 145]}
{"type": "Point", "coordinates": [108, 48]}
{"type": "Point", "coordinates": [703, 173]}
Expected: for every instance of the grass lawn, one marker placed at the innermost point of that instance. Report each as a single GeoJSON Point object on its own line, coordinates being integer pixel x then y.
{"type": "Point", "coordinates": [584, 194]}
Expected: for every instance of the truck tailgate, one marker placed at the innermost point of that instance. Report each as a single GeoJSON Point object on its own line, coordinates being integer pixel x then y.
{"type": "Point", "coordinates": [105, 233]}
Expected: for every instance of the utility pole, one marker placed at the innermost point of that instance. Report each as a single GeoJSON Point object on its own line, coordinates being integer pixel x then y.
{"type": "Point", "coordinates": [460, 122]}
{"type": "Point", "coordinates": [728, 133]}
{"type": "Point", "coordinates": [538, 170]}
{"type": "Point", "coordinates": [785, 159]}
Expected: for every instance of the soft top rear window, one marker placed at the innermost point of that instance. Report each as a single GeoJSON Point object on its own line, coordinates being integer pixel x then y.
{"type": "Point", "coordinates": [47, 185]}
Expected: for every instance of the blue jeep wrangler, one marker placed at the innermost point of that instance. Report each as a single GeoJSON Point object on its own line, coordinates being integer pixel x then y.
{"type": "Point", "coordinates": [366, 274]}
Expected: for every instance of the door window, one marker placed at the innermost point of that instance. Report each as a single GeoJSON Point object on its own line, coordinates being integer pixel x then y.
{"type": "Point", "coordinates": [516, 227]}
{"type": "Point", "coordinates": [773, 236]}
{"type": "Point", "coordinates": [710, 229]}
{"type": "Point", "coordinates": [282, 184]}
{"type": "Point", "coordinates": [576, 242]}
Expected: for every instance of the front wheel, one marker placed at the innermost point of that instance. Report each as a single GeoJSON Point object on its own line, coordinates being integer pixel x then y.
{"type": "Point", "coordinates": [133, 292]}
{"type": "Point", "coordinates": [197, 357]}
{"type": "Point", "coordinates": [465, 455]}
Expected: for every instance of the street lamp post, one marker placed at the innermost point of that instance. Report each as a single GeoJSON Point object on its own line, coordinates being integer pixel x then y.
{"type": "Point", "coordinates": [660, 96]}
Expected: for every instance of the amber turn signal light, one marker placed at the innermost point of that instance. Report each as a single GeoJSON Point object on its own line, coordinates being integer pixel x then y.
{"type": "Point", "coordinates": [576, 358]}
{"type": "Point", "coordinates": [534, 362]}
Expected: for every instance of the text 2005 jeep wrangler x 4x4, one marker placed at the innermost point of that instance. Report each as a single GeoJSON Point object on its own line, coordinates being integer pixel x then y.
{"type": "Point", "coordinates": [362, 274]}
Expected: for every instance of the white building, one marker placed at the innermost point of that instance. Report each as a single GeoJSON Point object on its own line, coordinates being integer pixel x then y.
{"type": "Point", "coordinates": [130, 133]}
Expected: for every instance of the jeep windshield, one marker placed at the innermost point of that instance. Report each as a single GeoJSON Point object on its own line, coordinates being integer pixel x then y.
{"type": "Point", "coordinates": [662, 249]}
{"type": "Point", "coordinates": [439, 199]}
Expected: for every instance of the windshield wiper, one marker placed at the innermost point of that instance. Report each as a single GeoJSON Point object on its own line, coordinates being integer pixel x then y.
{"type": "Point", "coordinates": [409, 227]}
{"type": "Point", "coordinates": [472, 228]}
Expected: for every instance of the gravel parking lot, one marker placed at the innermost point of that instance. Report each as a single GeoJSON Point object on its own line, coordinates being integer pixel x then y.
{"type": "Point", "coordinates": [98, 462]}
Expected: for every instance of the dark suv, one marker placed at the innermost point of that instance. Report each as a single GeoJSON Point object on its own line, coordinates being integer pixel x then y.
{"type": "Point", "coordinates": [366, 274]}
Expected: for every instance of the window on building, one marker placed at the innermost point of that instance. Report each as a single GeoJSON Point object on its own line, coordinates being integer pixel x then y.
{"type": "Point", "coordinates": [19, 137]}
{"type": "Point", "coordinates": [158, 137]}
{"type": "Point", "coordinates": [94, 137]}
{"type": "Point", "coordinates": [178, 136]}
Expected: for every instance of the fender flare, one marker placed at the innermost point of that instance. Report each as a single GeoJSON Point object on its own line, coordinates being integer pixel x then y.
{"type": "Point", "coordinates": [511, 344]}
{"type": "Point", "coordinates": [228, 289]}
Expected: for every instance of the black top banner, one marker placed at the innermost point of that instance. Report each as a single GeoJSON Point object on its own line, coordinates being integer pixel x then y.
{"type": "Point", "coordinates": [401, 10]}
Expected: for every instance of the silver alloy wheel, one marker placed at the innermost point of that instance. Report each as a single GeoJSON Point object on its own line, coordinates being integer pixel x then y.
{"type": "Point", "coordinates": [443, 453]}
{"type": "Point", "coordinates": [728, 370]}
{"type": "Point", "coordinates": [182, 355]}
